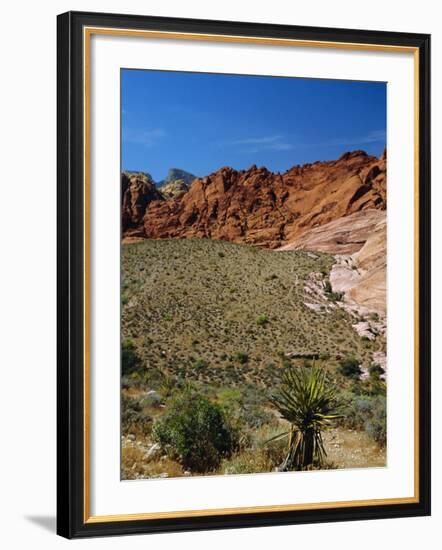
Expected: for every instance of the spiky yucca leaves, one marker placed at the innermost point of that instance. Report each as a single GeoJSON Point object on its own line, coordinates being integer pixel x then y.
{"type": "Point", "coordinates": [305, 400]}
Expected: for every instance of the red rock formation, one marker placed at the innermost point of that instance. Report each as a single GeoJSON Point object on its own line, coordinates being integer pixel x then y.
{"type": "Point", "coordinates": [137, 190]}
{"type": "Point", "coordinates": [268, 209]}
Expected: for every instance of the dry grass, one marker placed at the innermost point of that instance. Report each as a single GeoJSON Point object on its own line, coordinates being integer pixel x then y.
{"type": "Point", "coordinates": [136, 465]}
{"type": "Point", "coordinates": [191, 308]}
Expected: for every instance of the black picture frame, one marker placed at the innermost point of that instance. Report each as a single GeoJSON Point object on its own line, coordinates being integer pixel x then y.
{"type": "Point", "coordinates": [71, 520]}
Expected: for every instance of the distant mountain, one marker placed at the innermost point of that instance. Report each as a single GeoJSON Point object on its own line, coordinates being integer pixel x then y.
{"type": "Point", "coordinates": [175, 174]}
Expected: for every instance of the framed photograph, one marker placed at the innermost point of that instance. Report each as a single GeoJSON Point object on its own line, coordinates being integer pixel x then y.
{"type": "Point", "coordinates": [243, 274]}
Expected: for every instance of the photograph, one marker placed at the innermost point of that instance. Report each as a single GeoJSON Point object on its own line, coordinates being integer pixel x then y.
{"type": "Point", "coordinates": [253, 274]}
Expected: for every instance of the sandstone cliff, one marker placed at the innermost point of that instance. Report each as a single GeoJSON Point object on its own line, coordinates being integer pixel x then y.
{"type": "Point", "coordinates": [137, 191]}
{"type": "Point", "coordinates": [267, 209]}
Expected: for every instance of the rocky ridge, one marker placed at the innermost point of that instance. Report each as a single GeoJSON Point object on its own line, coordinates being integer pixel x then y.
{"type": "Point", "coordinates": [263, 208]}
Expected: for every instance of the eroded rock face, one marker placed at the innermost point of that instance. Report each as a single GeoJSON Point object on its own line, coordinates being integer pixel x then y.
{"type": "Point", "coordinates": [137, 190]}
{"type": "Point", "coordinates": [263, 208]}
{"type": "Point", "coordinates": [371, 260]}
{"type": "Point", "coordinates": [363, 275]}
{"type": "Point", "coordinates": [345, 235]}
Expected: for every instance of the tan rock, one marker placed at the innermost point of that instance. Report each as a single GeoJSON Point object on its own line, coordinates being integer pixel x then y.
{"type": "Point", "coordinates": [342, 236]}
{"type": "Point", "coordinates": [371, 289]}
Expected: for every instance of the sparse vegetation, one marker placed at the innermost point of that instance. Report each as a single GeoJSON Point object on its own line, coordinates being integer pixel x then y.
{"type": "Point", "coordinates": [221, 323]}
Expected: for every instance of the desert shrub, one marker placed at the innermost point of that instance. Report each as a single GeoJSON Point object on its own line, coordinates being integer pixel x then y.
{"type": "Point", "coordinates": [327, 287]}
{"type": "Point", "coordinates": [370, 414]}
{"type": "Point", "coordinates": [132, 416]}
{"type": "Point", "coordinates": [255, 416]}
{"type": "Point", "coordinates": [130, 360]}
{"type": "Point", "coordinates": [247, 462]}
{"type": "Point", "coordinates": [229, 397]}
{"type": "Point", "coordinates": [376, 426]}
{"type": "Point", "coordinates": [150, 399]}
{"type": "Point", "coordinates": [350, 368]}
{"type": "Point", "coordinates": [246, 409]}
{"type": "Point", "coordinates": [262, 320]}
{"type": "Point", "coordinates": [332, 296]}
{"type": "Point", "coordinates": [242, 357]}
{"type": "Point", "coordinates": [167, 385]}
{"type": "Point", "coordinates": [375, 371]}
{"type": "Point", "coordinates": [199, 364]}
{"type": "Point", "coordinates": [195, 432]}
{"type": "Point", "coordinates": [125, 382]}
{"type": "Point", "coordinates": [257, 455]}
{"type": "Point", "coordinates": [378, 388]}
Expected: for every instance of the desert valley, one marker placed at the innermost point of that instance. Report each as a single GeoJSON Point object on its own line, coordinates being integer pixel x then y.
{"type": "Point", "coordinates": [229, 281]}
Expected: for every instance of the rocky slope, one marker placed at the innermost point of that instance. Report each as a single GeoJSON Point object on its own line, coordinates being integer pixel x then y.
{"type": "Point", "coordinates": [263, 208]}
{"type": "Point", "coordinates": [359, 244]}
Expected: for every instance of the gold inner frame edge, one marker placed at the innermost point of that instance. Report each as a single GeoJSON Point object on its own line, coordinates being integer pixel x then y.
{"type": "Point", "coordinates": [87, 33]}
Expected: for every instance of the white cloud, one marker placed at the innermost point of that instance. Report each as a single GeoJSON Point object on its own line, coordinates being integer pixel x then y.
{"type": "Point", "coordinates": [264, 143]}
{"type": "Point", "coordinates": [144, 137]}
{"type": "Point", "coordinates": [375, 136]}
{"type": "Point", "coordinates": [257, 141]}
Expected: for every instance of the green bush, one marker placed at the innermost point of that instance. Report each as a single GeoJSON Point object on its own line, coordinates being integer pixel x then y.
{"type": "Point", "coordinates": [199, 364]}
{"type": "Point", "coordinates": [332, 296]}
{"type": "Point", "coordinates": [242, 357]}
{"type": "Point", "coordinates": [375, 371]}
{"type": "Point", "coordinates": [262, 320]}
{"type": "Point", "coordinates": [370, 414]}
{"type": "Point", "coordinates": [376, 426]}
{"type": "Point", "coordinates": [130, 360]}
{"type": "Point", "coordinates": [195, 432]}
{"type": "Point", "coordinates": [350, 368]}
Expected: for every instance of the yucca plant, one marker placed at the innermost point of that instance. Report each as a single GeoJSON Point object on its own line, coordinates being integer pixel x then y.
{"type": "Point", "coordinates": [309, 404]}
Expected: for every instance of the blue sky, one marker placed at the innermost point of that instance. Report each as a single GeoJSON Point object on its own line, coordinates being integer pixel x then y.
{"type": "Point", "coordinates": [199, 122]}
